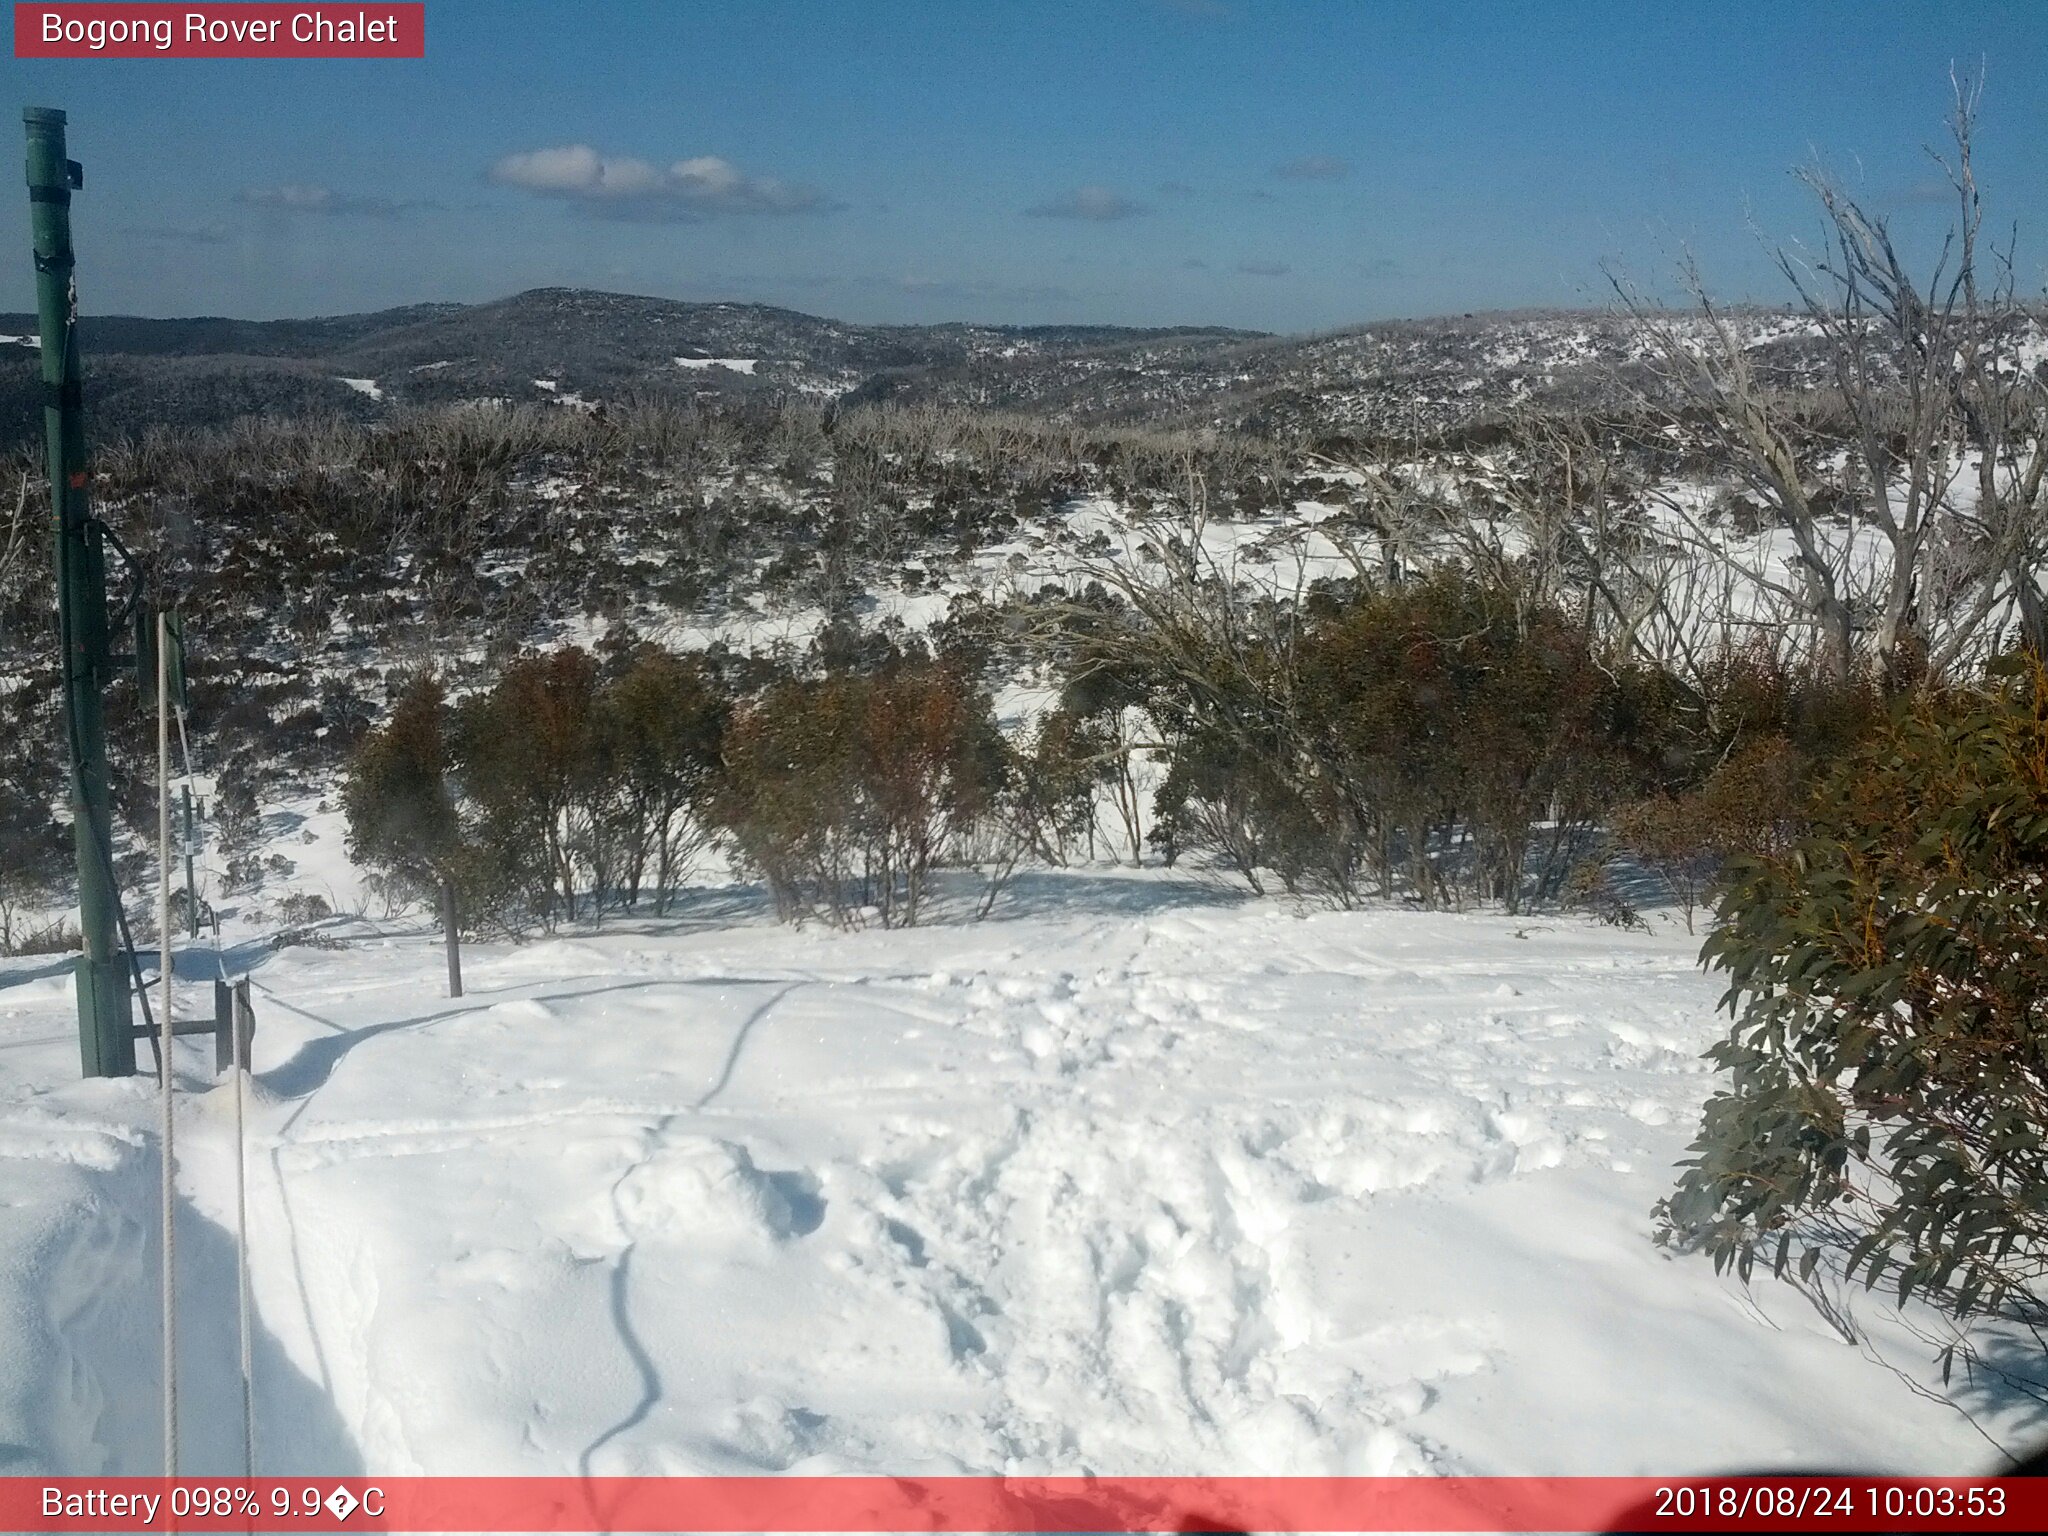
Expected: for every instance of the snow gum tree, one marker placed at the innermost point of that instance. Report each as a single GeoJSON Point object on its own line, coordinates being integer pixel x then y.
{"type": "Point", "coordinates": [552, 782]}
{"type": "Point", "coordinates": [659, 727]}
{"type": "Point", "coordinates": [1757, 734]}
{"type": "Point", "coordinates": [529, 755]}
{"type": "Point", "coordinates": [846, 791]}
{"type": "Point", "coordinates": [401, 807]}
{"type": "Point", "coordinates": [1888, 1065]}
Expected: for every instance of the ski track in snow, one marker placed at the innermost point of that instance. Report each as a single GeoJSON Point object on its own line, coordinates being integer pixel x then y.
{"type": "Point", "coordinates": [1176, 1185]}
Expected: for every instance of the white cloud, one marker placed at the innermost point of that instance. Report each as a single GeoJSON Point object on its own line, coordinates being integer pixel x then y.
{"type": "Point", "coordinates": [575, 169]}
{"type": "Point", "coordinates": [308, 197]}
{"type": "Point", "coordinates": [1098, 204]}
{"type": "Point", "coordinates": [304, 199]}
{"type": "Point", "coordinates": [1313, 168]}
{"type": "Point", "coordinates": [626, 187]}
{"type": "Point", "coordinates": [187, 234]}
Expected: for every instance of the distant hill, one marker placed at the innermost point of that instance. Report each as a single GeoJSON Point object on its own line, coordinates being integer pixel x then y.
{"type": "Point", "coordinates": [571, 345]}
{"type": "Point", "coordinates": [575, 347]}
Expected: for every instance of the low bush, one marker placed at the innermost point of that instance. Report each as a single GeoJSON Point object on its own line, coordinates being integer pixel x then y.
{"type": "Point", "coordinates": [1761, 735]}
{"type": "Point", "coordinates": [846, 791]}
{"type": "Point", "coordinates": [1886, 971]}
{"type": "Point", "coordinates": [300, 908]}
{"type": "Point", "coordinates": [59, 937]}
{"type": "Point", "coordinates": [1443, 734]}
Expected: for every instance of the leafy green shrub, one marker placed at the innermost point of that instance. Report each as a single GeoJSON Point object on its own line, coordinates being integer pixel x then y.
{"type": "Point", "coordinates": [528, 759]}
{"type": "Point", "coordinates": [846, 791]}
{"type": "Point", "coordinates": [659, 730]}
{"type": "Point", "coordinates": [405, 818]}
{"type": "Point", "coordinates": [1751, 802]}
{"type": "Point", "coordinates": [1738, 764]}
{"type": "Point", "coordinates": [1057, 775]}
{"type": "Point", "coordinates": [1752, 692]}
{"type": "Point", "coordinates": [1226, 792]}
{"type": "Point", "coordinates": [1669, 837]}
{"type": "Point", "coordinates": [397, 796]}
{"type": "Point", "coordinates": [1105, 700]}
{"type": "Point", "coordinates": [1445, 730]}
{"type": "Point", "coordinates": [550, 778]}
{"type": "Point", "coordinates": [300, 908]}
{"type": "Point", "coordinates": [1888, 1065]}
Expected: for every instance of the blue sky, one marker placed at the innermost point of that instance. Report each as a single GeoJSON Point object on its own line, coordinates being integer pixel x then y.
{"type": "Point", "coordinates": [1261, 163]}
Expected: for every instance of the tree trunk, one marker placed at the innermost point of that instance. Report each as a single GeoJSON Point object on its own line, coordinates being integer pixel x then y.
{"type": "Point", "coordinates": [451, 936]}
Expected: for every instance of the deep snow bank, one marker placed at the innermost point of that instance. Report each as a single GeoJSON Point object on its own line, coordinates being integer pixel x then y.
{"type": "Point", "coordinates": [1141, 1179]}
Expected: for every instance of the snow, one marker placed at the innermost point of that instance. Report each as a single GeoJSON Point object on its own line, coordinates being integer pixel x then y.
{"type": "Point", "coordinates": [735, 364]}
{"type": "Point", "coordinates": [1137, 1176]}
{"type": "Point", "coordinates": [553, 388]}
{"type": "Point", "coordinates": [2029, 352]}
{"type": "Point", "coordinates": [365, 387]}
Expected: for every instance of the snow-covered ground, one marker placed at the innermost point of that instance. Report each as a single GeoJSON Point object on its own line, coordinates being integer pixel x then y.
{"type": "Point", "coordinates": [1135, 1177]}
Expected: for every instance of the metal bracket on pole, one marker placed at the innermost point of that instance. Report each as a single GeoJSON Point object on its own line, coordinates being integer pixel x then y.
{"type": "Point", "coordinates": [233, 1025]}
{"type": "Point", "coordinates": [146, 658]}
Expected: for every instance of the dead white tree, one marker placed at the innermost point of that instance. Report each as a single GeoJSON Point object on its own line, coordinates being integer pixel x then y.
{"type": "Point", "coordinates": [1908, 504]}
{"type": "Point", "coordinates": [1210, 627]}
{"type": "Point", "coordinates": [14, 540]}
{"type": "Point", "coordinates": [1576, 498]}
{"type": "Point", "coordinates": [1553, 514]}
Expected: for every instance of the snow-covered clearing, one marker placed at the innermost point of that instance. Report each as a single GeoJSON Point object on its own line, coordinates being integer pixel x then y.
{"type": "Point", "coordinates": [1136, 1177]}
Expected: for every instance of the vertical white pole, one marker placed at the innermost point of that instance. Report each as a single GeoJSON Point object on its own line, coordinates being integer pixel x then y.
{"type": "Point", "coordinates": [163, 932]}
{"type": "Point", "coordinates": [238, 1019]}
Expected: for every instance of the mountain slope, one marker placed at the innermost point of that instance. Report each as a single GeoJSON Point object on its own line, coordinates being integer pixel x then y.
{"type": "Point", "coordinates": [573, 345]}
{"type": "Point", "coordinates": [1401, 379]}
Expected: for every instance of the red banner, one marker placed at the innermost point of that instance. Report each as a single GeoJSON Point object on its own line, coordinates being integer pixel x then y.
{"type": "Point", "coordinates": [102, 31]}
{"type": "Point", "coordinates": [997, 1504]}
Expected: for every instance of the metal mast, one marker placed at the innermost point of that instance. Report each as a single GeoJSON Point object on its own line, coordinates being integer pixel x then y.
{"type": "Point", "coordinates": [105, 1038]}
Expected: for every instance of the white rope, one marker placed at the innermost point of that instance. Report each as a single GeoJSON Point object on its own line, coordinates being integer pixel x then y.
{"type": "Point", "coordinates": [245, 1308]}
{"type": "Point", "coordinates": [163, 939]}
{"type": "Point", "coordinates": [241, 1070]}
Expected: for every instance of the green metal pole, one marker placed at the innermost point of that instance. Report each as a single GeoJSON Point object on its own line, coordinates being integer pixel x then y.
{"type": "Point", "coordinates": [105, 1040]}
